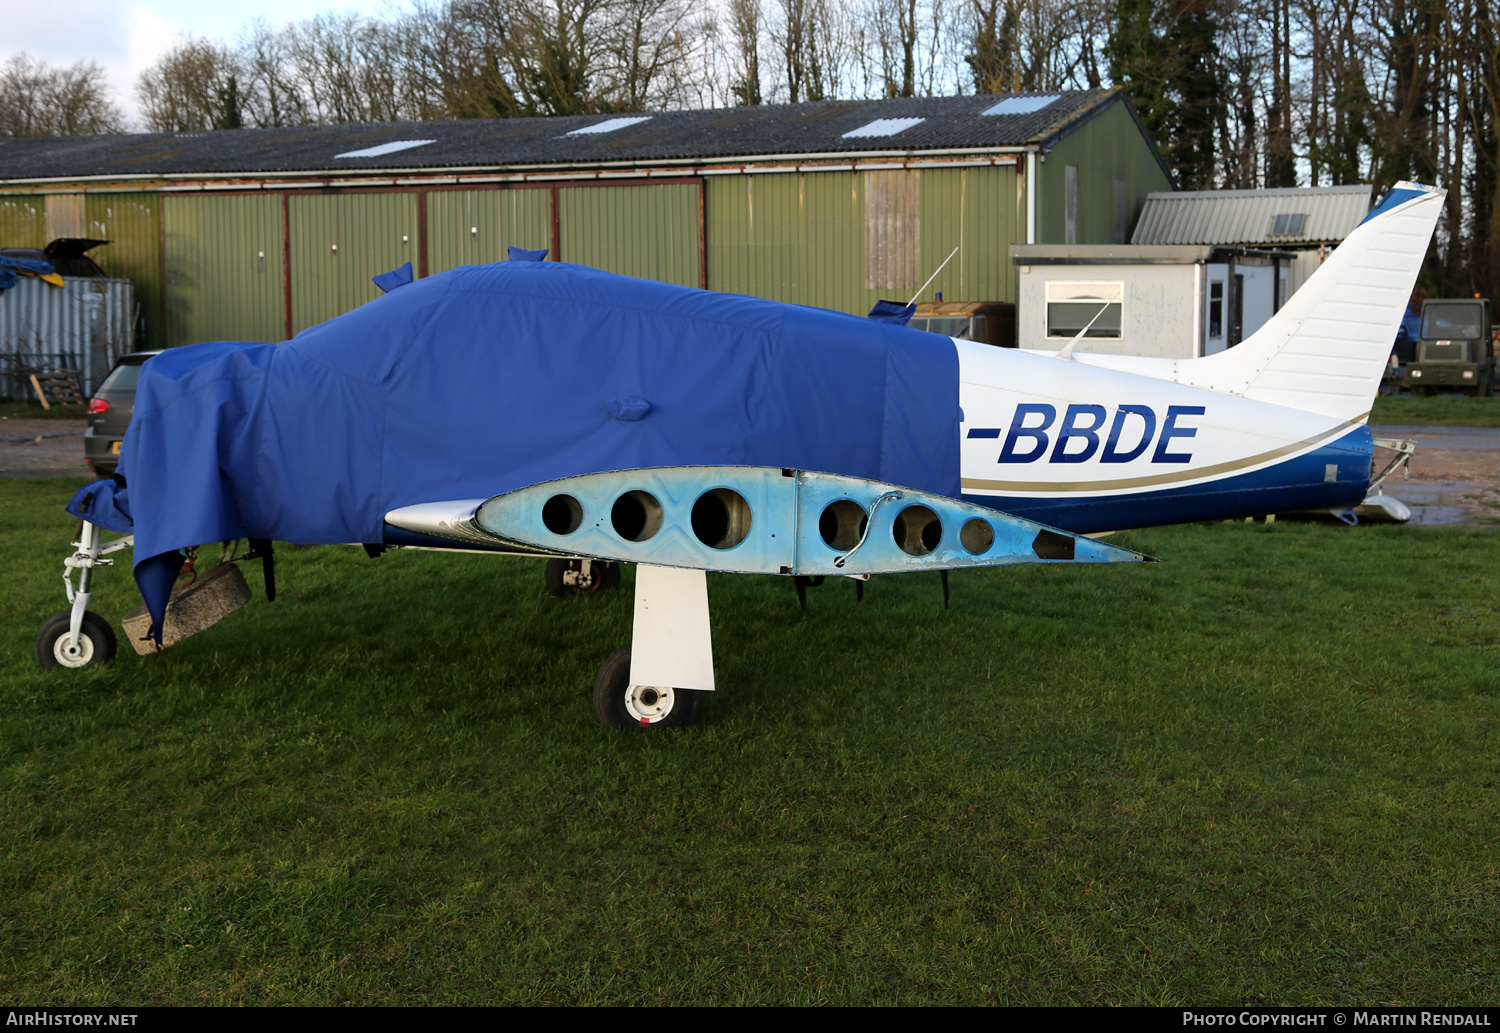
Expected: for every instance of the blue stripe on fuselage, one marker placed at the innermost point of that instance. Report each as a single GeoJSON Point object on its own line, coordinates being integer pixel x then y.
{"type": "Point", "coordinates": [1295, 484]}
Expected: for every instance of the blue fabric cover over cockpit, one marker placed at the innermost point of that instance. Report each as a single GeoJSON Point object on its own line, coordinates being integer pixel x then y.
{"type": "Point", "coordinates": [489, 378]}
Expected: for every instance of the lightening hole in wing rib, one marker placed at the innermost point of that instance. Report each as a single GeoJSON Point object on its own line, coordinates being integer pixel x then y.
{"type": "Point", "coordinates": [562, 514]}
{"type": "Point", "coordinates": [721, 518]}
{"type": "Point", "coordinates": [977, 536]}
{"type": "Point", "coordinates": [842, 524]}
{"type": "Point", "coordinates": [636, 516]}
{"type": "Point", "coordinates": [918, 530]}
{"type": "Point", "coordinates": [1050, 545]}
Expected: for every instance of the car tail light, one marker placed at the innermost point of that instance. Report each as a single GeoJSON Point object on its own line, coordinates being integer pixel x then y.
{"type": "Point", "coordinates": [98, 405]}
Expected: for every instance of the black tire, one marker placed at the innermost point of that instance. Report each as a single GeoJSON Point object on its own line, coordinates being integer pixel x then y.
{"type": "Point", "coordinates": [96, 642]}
{"type": "Point", "coordinates": [616, 708]}
{"type": "Point", "coordinates": [606, 576]}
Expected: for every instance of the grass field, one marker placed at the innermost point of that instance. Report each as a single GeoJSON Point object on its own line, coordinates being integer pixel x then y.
{"type": "Point", "coordinates": [1439, 411]}
{"type": "Point", "coordinates": [1263, 771]}
{"type": "Point", "coordinates": [25, 410]}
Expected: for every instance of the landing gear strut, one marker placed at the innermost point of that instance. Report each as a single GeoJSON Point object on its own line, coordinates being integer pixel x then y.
{"type": "Point", "coordinates": [659, 680]}
{"type": "Point", "coordinates": [78, 637]}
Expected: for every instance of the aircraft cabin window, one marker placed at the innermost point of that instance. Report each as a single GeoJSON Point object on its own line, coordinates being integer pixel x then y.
{"type": "Point", "coordinates": [948, 326]}
{"type": "Point", "coordinates": [1072, 305]}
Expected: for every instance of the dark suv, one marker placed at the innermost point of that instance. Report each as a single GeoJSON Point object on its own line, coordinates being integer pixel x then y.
{"type": "Point", "coordinates": [109, 413]}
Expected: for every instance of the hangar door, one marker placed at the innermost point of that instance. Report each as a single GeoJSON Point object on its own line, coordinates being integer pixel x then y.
{"type": "Point", "coordinates": [223, 268]}
{"type": "Point", "coordinates": [649, 230]}
{"type": "Point", "coordinates": [471, 227]}
{"type": "Point", "coordinates": [339, 241]}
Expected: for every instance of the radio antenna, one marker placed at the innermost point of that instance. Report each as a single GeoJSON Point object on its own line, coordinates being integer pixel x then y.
{"type": "Point", "coordinates": [939, 269]}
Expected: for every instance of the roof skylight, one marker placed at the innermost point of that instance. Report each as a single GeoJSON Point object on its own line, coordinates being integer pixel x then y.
{"type": "Point", "coordinates": [1288, 225]}
{"type": "Point", "coordinates": [1021, 105]}
{"type": "Point", "coordinates": [609, 125]}
{"type": "Point", "coordinates": [385, 148]}
{"type": "Point", "coordinates": [884, 127]}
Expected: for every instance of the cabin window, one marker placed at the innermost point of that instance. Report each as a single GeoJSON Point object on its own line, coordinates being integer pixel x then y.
{"type": "Point", "coordinates": [1073, 305]}
{"type": "Point", "coordinates": [1216, 309]}
{"type": "Point", "coordinates": [948, 326]}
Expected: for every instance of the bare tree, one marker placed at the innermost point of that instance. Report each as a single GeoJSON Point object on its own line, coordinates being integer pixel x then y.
{"type": "Point", "coordinates": [194, 87]}
{"type": "Point", "coordinates": [746, 20]}
{"type": "Point", "coordinates": [650, 53]}
{"type": "Point", "coordinates": [1029, 45]}
{"type": "Point", "coordinates": [811, 45]}
{"type": "Point", "coordinates": [38, 99]}
{"type": "Point", "coordinates": [271, 95]}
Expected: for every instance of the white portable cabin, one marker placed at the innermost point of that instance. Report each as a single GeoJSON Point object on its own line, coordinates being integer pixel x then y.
{"type": "Point", "coordinates": [1174, 302]}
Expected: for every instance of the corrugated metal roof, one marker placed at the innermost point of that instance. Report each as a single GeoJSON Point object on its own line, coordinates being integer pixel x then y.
{"type": "Point", "coordinates": [1247, 217]}
{"type": "Point", "coordinates": [826, 127]}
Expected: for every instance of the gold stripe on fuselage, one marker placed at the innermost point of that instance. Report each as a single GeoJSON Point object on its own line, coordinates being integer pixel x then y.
{"type": "Point", "coordinates": [1165, 478]}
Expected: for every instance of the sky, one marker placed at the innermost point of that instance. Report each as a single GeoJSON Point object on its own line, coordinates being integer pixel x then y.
{"type": "Point", "coordinates": [127, 36]}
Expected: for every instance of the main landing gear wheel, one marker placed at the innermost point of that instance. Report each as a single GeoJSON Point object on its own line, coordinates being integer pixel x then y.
{"type": "Point", "coordinates": [621, 705]}
{"type": "Point", "coordinates": [96, 642]}
{"type": "Point", "coordinates": [563, 577]}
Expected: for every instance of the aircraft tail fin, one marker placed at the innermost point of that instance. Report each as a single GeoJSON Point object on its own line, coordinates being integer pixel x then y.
{"type": "Point", "coordinates": [1327, 347]}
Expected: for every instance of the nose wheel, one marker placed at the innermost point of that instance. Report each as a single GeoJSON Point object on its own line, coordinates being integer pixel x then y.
{"type": "Point", "coordinates": [95, 645]}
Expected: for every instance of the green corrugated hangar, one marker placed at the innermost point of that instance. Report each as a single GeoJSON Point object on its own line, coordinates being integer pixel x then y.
{"type": "Point", "coordinates": [256, 234]}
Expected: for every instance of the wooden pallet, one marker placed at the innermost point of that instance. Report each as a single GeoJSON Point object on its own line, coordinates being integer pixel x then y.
{"type": "Point", "coordinates": [60, 388]}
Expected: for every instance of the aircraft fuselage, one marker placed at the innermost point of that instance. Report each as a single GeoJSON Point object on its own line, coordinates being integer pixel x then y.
{"type": "Point", "coordinates": [1087, 448]}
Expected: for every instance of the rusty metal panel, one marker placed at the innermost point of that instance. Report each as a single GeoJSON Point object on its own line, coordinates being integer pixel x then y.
{"type": "Point", "coordinates": [132, 224]}
{"type": "Point", "coordinates": [339, 241]}
{"type": "Point", "coordinates": [83, 325]}
{"type": "Point", "coordinates": [65, 216]}
{"type": "Point", "coordinates": [893, 229]}
{"type": "Point", "coordinates": [646, 231]}
{"type": "Point", "coordinates": [224, 268]}
{"type": "Point", "coordinates": [23, 222]}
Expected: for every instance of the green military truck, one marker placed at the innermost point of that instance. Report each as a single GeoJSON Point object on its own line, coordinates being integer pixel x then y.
{"type": "Point", "coordinates": [1455, 350]}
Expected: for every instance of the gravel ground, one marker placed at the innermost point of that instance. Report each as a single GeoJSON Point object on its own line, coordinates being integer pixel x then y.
{"type": "Point", "coordinates": [42, 448]}
{"type": "Point", "coordinates": [1455, 474]}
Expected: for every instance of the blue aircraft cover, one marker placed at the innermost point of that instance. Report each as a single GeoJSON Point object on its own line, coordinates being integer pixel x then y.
{"type": "Point", "coordinates": [489, 378]}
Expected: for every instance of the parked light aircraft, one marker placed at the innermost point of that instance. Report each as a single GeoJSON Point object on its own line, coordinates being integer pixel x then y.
{"type": "Point", "coordinates": [1051, 447]}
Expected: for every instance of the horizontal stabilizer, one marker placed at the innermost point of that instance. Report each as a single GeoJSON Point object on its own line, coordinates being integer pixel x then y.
{"type": "Point", "coordinates": [768, 520]}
